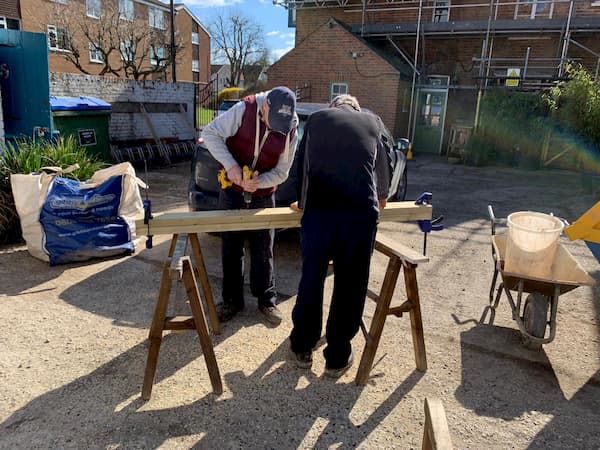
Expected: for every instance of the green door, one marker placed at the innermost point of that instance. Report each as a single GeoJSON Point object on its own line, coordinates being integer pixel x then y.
{"type": "Point", "coordinates": [431, 113]}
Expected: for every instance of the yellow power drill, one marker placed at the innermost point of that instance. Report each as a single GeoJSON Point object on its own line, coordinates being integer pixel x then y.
{"type": "Point", "coordinates": [225, 182]}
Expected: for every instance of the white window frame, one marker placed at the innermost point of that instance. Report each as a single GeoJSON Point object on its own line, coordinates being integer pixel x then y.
{"type": "Point", "coordinates": [93, 8]}
{"type": "Point", "coordinates": [195, 38]}
{"type": "Point", "coordinates": [160, 52]}
{"type": "Point", "coordinates": [156, 18]}
{"type": "Point", "coordinates": [55, 29]}
{"type": "Point", "coordinates": [62, 2]}
{"type": "Point", "coordinates": [95, 53]}
{"type": "Point", "coordinates": [335, 89]}
{"type": "Point", "coordinates": [596, 3]}
{"type": "Point", "coordinates": [126, 10]}
{"type": "Point", "coordinates": [195, 65]}
{"type": "Point", "coordinates": [441, 11]}
{"type": "Point", "coordinates": [3, 23]}
{"type": "Point", "coordinates": [127, 51]}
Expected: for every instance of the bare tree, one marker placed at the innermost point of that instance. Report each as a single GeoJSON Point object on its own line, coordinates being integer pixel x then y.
{"type": "Point", "coordinates": [129, 48]}
{"type": "Point", "coordinates": [239, 41]}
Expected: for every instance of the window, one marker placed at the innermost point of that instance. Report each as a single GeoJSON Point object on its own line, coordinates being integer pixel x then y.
{"type": "Point", "coordinates": [95, 53]}
{"type": "Point", "coordinates": [156, 18]}
{"type": "Point", "coordinates": [7, 23]}
{"type": "Point", "coordinates": [338, 89]}
{"type": "Point", "coordinates": [441, 11]}
{"type": "Point", "coordinates": [158, 56]}
{"type": "Point", "coordinates": [64, 2]}
{"type": "Point", "coordinates": [405, 100]}
{"type": "Point", "coordinates": [195, 38]}
{"type": "Point", "coordinates": [58, 38]}
{"type": "Point", "coordinates": [126, 9]}
{"type": "Point", "coordinates": [93, 8]}
{"type": "Point", "coordinates": [127, 50]}
{"type": "Point", "coordinates": [195, 65]}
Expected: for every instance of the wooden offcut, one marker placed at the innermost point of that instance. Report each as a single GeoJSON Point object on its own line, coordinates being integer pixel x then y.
{"type": "Point", "coordinates": [436, 434]}
{"type": "Point", "coordinates": [259, 219]}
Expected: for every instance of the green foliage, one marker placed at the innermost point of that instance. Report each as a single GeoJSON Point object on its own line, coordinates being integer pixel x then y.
{"type": "Point", "coordinates": [230, 93]}
{"type": "Point", "coordinates": [575, 104]}
{"type": "Point", "coordinates": [27, 156]}
{"type": "Point", "coordinates": [512, 124]}
{"type": "Point", "coordinates": [204, 116]}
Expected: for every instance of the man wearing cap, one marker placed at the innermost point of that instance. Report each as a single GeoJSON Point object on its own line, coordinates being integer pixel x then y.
{"type": "Point", "coordinates": [258, 132]}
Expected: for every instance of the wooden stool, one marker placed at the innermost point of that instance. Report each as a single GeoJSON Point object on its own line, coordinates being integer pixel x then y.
{"type": "Point", "coordinates": [179, 266]}
{"type": "Point", "coordinates": [399, 256]}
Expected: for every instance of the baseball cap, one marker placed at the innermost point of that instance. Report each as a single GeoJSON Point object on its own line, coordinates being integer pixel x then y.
{"type": "Point", "coordinates": [282, 105]}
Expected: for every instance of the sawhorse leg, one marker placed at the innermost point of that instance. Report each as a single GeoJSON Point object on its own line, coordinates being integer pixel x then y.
{"type": "Point", "coordinates": [204, 281]}
{"type": "Point", "coordinates": [381, 311]}
{"type": "Point", "coordinates": [183, 267]}
{"type": "Point", "coordinates": [399, 256]}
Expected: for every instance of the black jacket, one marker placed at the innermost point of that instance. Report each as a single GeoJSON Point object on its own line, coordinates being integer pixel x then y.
{"type": "Point", "coordinates": [342, 161]}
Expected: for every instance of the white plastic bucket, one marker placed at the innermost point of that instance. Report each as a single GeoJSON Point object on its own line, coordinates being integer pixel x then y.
{"type": "Point", "coordinates": [531, 244]}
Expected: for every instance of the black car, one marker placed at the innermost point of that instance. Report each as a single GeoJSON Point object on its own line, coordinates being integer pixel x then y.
{"type": "Point", "coordinates": [203, 189]}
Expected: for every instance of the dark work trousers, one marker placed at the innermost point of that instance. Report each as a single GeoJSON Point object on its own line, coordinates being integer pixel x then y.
{"type": "Point", "coordinates": [261, 254]}
{"type": "Point", "coordinates": [346, 237]}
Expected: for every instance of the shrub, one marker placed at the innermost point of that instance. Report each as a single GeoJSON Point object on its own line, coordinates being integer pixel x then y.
{"type": "Point", "coordinates": [27, 156]}
{"type": "Point", "coordinates": [230, 93]}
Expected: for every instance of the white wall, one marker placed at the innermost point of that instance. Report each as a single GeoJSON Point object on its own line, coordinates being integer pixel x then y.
{"type": "Point", "coordinates": [131, 125]}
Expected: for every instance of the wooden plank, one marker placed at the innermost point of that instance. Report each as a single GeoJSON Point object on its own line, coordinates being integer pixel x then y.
{"type": "Point", "coordinates": [177, 253]}
{"type": "Point", "coordinates": [259, 219]}
{"type": "Point", "coordinates": [436, 435]}
{"type": "Point", "coordinates": [390, 247]}
{"type": "Point", "coordinates": [179, 323]}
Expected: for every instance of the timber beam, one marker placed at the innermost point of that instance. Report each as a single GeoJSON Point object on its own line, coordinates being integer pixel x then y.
{"type": "Point", "coordinates": [259, 219]}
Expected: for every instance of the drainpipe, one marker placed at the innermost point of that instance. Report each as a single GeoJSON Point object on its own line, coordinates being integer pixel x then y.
{"type": "Point", "coordinates": [173, 62]}
{"type": "Point", "coordinates": [567, 38]}
{"type": "Point", "coordinates": [410, 131]}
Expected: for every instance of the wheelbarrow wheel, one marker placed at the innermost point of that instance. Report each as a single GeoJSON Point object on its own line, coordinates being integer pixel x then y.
{"type": "Point", "coordinates": [535, 318]}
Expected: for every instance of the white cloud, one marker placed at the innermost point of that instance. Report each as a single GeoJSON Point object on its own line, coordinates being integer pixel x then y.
{"type": "Point", "coordinates": [273, 33]}
{"type": "Point", "coordinates": [288, 35]}
{"type": "Point", "coordinates": [279, 52]}
{"type": "Point", "coordinates": [212, 3]}
{"type": "Point", "coordinates": [290, 43]}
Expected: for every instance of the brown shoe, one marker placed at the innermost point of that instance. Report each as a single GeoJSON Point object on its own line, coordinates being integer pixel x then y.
{"type": "Point", "coordinates": [271, 314]}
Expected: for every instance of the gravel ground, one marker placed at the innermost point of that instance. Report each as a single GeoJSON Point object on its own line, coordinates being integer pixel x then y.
{"type": "Point", "coordinates": [74, 344]}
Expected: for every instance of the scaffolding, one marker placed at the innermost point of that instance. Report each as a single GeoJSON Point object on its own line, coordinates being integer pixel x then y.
{"type": "Point", "coordinates": [502, 18]}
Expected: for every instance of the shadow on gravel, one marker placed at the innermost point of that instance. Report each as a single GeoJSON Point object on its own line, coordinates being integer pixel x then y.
{"type": "Point", "coordinates": [290, 408]}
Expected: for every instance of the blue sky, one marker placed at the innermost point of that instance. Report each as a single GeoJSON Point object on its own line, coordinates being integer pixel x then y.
{"type": "Point", "coordinates": [273, 19]}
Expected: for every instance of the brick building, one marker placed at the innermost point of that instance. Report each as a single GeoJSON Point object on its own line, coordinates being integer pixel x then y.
{"type": "Point", "coordinates": [423, 87]}
{"type": "Point", "coordinates": [10, 15]}
{"type": "Point", "coordinates": [66, 22]}
{"type": "Point", "coordinates": [194, 61]}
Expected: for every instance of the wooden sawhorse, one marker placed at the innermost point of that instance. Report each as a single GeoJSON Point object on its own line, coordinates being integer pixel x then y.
{"type": "Point", "coordinates": [179, 266]}
{"type": "Point", "coordinates": [399, 256]}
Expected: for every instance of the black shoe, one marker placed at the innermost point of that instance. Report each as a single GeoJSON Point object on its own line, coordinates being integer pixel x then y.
{"type": "Point", "coordinates": [338, 372]}
{"type": "Point", "coordinates": [271, 314]}
{"type": "Point", "coordinates": [226, 311]}
{"type": "Point", "coordinates": [303, 360]}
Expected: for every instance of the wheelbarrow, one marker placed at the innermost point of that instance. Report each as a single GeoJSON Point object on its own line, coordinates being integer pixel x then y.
{"type": "Point", "coordinates": [536, 316]}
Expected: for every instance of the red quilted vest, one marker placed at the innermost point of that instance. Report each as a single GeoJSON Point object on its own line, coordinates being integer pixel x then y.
{"type": "Point", "coordinates": [241, 145]}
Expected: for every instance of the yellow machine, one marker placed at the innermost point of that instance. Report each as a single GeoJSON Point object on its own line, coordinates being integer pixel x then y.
{"type": "Point", "coordinates": [587, 227]}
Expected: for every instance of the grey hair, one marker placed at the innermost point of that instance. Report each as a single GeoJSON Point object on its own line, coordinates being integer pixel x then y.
{"type": "Point", "coordinates": [345, 99]}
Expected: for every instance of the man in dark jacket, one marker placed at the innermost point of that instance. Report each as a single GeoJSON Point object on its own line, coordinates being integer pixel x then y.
{"type": "Point", "coordinates": [344, 178]}
{"type": "Point", "coordinates": [259, 132]}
